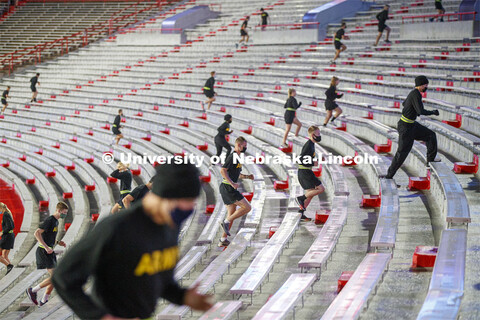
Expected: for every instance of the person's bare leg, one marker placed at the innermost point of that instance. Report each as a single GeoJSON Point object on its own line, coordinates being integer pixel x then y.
{"type": "Point", "coordinates": [4, 107]}
{"type": "Point", "coordinates": [248, 37]}
{"type": "Point", "coordinates": [388, 34]}
{"type": "Point", "coordinates": [287, 130]}
{"type": "Point", "coordinates": [5, 254]}
{"type": "Point", "coordinates": [4, 261]}
{"type": "Point", "coordinates": [115, 208]}
{"type": "Point", "coordinates": [310, 193]}
{"type": "Point", "coordinates": [328, 116]}
{"type": "Point", "coordinates": [378, 38]}
{"type": "Point", "coordinates": [299, 126]}
{"type": "Point", "coordinates": [209, 101]}
{"type": "Point", "coordinates": [244, 208]}
{"type": "Point", "coordinates": [230, 210]}
{"type": "Point", "coordinates": [338, 112]}
{"type": "Point", "coordinates": [241, 40]}
{"type": "Point", "coordinates": [337, 53]}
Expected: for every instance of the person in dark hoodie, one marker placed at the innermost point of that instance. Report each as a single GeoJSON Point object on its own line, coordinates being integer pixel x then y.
{"type": "Point", "coordinates": [291, 107]}
{"type": "Point", "coordinates": [208, 91]}
{"type": "Point", "coordinates": [382, 17]}
{"type": "Point", "coordinates": [220, 141]}
{"type": "Point", "coordinates": [330, 104]}
{"type": "Point", "coordinates": [131, 256]}
{"type": "Point", "coordinates": [124, 174]}
{"type": "Point", "coordinates": [409, 130]}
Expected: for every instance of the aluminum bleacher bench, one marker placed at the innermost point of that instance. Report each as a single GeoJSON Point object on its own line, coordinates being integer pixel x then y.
{"type": "Point", "coordinates": [14, 315]}
{"type": "Point", "coordinates": [287, 297]}
{"type": "Point", "coordinates": [388, 217]}
{"type": "Point", "coordinates": [260, 267]}
{"type": "Point", "coordinates": [16, 291]}
{"type": "Point", "coordinates": [447, 284]}
{"type": "Point", "coordinates": [222, 310]}
{"type": "Point", "coordinates": [252, 219]}
{"type": "Point", "coordinates": [10, 278]}
{"type": "Point", "coordinates": [350, 302]}
{"type": "Point", "coordinates": [214, 271]}
{"type": "Point", "coordinates": [323, 246]}
{"type": "Point", "coordinates": [189, 261]}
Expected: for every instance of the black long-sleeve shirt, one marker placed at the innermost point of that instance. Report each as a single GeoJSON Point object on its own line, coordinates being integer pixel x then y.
{"type": "Point", "coordinates": [413, 106]}
{"type": "Point", "coordinates": [291, 104]}
{"type": "Point", "coordinates": [7, 223]}
{"type": "Point", "coordinates": [382, 16]}
{"type": "Point", "coordinates": [332, 94]}
{"type": "Point", "coordinates": [125, 178]}
{"type": "Point", "coordinates": [209, 84]}
{"type": "Point", "coordinates": [131, 260]}
{"type": "Point", "coordinates": [224, 129]}
{"type": "Point", "coordinates": [116, 122]}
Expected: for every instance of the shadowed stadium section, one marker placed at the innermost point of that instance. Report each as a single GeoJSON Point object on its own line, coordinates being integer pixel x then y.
{"type": "Point", "coordinates": [9, 196]}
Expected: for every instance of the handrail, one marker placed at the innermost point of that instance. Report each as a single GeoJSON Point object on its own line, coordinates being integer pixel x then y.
{"type": "Point", "coordinates": [448, 15]}
{"type": "Point", "coordinates": [298, 24]}
{"type": "Point", "coordinates": [10, 60]}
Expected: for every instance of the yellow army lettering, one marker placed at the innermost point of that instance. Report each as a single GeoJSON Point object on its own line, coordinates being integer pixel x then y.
{"type": "Point", "coordinates": [157, 261]}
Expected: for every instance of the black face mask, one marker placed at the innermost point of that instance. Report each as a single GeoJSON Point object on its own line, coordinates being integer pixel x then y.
{"type": "Point", "coordinates": [178, 216]}
{"type": "Point", "coordinates": [244, 150]}
{"type": "Point", "coordinates": [317, 139]}
{"type": "Point", "coordinates": [229, 121]}
{"type": "Point", "coordinates": [425, 90]}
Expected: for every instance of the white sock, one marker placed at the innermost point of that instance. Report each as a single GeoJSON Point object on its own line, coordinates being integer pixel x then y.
{"type": "Point", "coordinates": [45, 297]}
{"type": "Point", "coordinates": [223, 239]}
{"type": "Point", "coordinates": [36, 288]}
{"type": "Point", "coordinates": [226, 221]}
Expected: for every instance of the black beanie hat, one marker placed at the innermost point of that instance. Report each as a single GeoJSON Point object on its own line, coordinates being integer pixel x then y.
{"type": "Point", "coordinates": [420, 81]}
{"type": "Point", "coordinates": [174, 181]}
{"type": "Point", "coordinates": [227, 117]}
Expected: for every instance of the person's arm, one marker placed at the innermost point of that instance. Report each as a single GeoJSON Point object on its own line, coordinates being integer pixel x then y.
{"type": "Point", "coordinates": [247, 176]}
{"type": "Point", "coordinates": [378, 15]}
{"type": "Point", "coordinates": [338, 96]}
{"type": "Point", "coordinates": [38, 236]}
{"type": "Point", "coordinates": [115, 174]}
{"type": "Point", "coordinates": [73, 271]}
{"type": "Point", "coordinates": [127, 201]}
{"type": "Point", "coordinates": [418, 106]}
{"type": "Point", "coordinates": [224, 172]}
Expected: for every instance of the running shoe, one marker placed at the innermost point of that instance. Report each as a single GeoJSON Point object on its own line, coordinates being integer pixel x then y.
{"type": "Point", "coordinates": [223, 243]}
{"type": "Point", "coordinates": [9, 268]}
{"type": "Point", "coordinates": [226, 227]}
{"type": "Point", "coordinates": [32, 295]}
{"type": "Point", "coordinates": [300, 202]}
{"type": "Point", "coordinates": [305, 218]}
{"type": "Point", "coordinates": [284, 145]}
{"type": "Point", "coordinates": [41, 303]}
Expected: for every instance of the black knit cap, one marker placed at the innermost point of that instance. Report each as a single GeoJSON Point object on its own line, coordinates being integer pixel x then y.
{"type": "Point", "coordinates": [174, 181]}
{"type": "Point", "coordinates": [420, 81]}
{"type": "Point", "coordinates": [227, 117]}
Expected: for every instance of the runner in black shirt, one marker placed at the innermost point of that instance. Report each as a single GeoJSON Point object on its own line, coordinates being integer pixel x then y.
{"type": "Point", "coordinates": [46, 235]}
{"type": "Point", "coordinates": [8, 237]}
{"type": "Point", "coordinates": [4, 98]}
{"type": "Point", "coordinates": [243, 31]}
{"type": "Point", "coordinates": [208, 91]}
{"type": "Point", "coordinates": [131, 256]}
{"type": "Point", "coordinates": [228, 190]}
{"type": "Point", "coordinates": [220, 141]}
{"type": "Point", "coordinates": [330, 104]}
{"type": "Point", "coordinates": [339, 46]}
{"type": "Point", "coordinates": [409, 130]}
{"type": "Point", "coordinates": [265, 17]}
{"type": "Point", "coordinates": [137, 194]}
{"type": "Point", "coordinates": [124, 174]}
{"type": "Point", "coordinates": [440, 10]}
{"type": "Point", "coordinates": [382, 17]}
{"type": "Point", "coordinates": [290, 116]}
{"type": "Point", "coordinates": [116, 126]}
{"type": "Point", "coordinates": [33, 87]}
{"type": "Point", "coordinates": [309, 182]}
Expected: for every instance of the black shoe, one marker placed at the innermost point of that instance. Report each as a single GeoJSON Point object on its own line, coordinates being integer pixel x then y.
{"type": "Point", "coordinates": [32, 295]}
{"type": "Point", "coordinates": [40, 303]}
{"type": "Point", "coordinates": [9, 268]}
{"type": "Point", "coordinates": [226, 227]}
{"type": "Point", "coordinates": [223, 243]}
{"type": "Point", "coordinates": [301, 203]}
{"type": "Point", "coordinates": [305, 218]}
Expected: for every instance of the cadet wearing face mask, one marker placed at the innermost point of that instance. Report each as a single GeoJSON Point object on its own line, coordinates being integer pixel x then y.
{"type": "Point", "coordinates": [228, 189]}
{"type": "Point", "coordinates": [220, 141]}
{"type": "Point", "coordinates": [409, 130]}
{"type": "Point", "coordinates": [309, 182]}
{"type": "Point", "coordinates": [46, 235]}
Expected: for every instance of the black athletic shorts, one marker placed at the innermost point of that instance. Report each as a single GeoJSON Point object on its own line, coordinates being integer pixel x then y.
{"type": "Point", "coordinates": [34, 89]}
{"type": "Point", "coordinates": [338, 44]}
{"type": "Point", "coordinates": [438, 6]}
{"type": "Point", "coordinates": [4, 102]}
{"type": "Point", "coordinates": [44, 260]}
{"type": "Point", "coordinates": [208, 93]}
{"type": "Point", "coordinates": [330, 105]}
{"type": "Point", "coordinates": [243, 33]}
{"type": "Point", "coordinates": [289, 116]}
{"type": "Point", "coordinates": [381, 27]}
{"type": "Point", "coordinates": [7, 241]}
{"type": "Point", "coordinates": [116, 131]}
{"type": "Point", "coordinates": [229, 194]}
{"type": "Point", "coordinates": [307, 179]}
